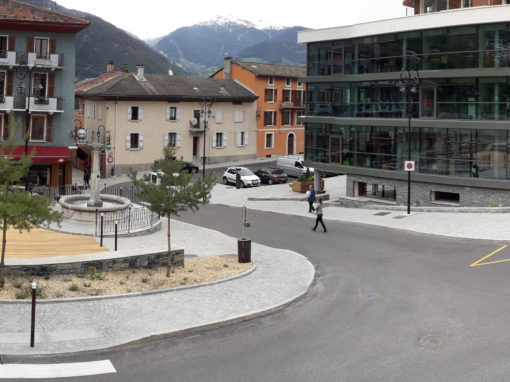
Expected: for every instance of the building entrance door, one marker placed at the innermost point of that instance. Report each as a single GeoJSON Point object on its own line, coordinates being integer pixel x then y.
{"type": "Point", "coordinates": [290, 144]}
{"type": "Point", "coordinates": [196, 141]}
{"type": "Point", "coordinates": [335, 149]}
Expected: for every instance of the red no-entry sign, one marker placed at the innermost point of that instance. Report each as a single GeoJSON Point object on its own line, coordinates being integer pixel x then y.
{"type": "Point", "coordinates": [409, 165]}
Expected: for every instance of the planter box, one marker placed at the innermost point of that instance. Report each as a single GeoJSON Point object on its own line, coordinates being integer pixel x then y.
{"type": "Point", "coordinates": [303, 186]}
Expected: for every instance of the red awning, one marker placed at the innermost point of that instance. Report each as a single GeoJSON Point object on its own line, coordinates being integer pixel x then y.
{"type": "Point", "coordinates": [44, 154]}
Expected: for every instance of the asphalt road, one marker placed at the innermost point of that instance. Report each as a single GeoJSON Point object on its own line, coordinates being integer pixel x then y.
{"type": "Point", "coordinates": [386, 306]}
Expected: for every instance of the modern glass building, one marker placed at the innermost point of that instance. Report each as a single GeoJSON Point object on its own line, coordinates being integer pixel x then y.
{"type": "Point", "coordinates": [356, 119]}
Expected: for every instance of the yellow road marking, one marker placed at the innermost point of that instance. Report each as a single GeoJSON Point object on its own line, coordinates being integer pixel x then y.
{"type": "Point", "coordinates": [477, 263]}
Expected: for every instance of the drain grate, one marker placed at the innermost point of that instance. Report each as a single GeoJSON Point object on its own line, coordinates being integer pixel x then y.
{"type": "Point", "coordinates": [434, 341]}
{"type": "Point", "coordinates": [382, 213]}
{"type": "Point", "coordinates": [400, 217]}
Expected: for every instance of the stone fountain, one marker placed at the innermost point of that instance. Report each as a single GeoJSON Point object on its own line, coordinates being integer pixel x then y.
{"type": "Point", "coordinates": [83, 207]}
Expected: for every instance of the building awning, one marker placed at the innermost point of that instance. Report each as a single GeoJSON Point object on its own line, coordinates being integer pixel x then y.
{"type": "Point", "coordinates": [44, 154]}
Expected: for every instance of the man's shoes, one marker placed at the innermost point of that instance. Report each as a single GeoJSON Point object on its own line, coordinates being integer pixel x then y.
{"type": "Point", "coordinates": [324, 230]}
{"type": "Point", "coordinates": [313, 229]}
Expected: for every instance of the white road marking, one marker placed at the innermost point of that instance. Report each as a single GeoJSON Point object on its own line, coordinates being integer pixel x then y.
{"type": "Point", "coordinates": [57, 370]}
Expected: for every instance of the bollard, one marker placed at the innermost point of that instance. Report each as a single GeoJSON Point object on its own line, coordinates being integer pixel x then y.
{"type": "Point", "coordinates": [102, 218]}
{"type": "Point", "coordinates": [244, 250]}
{"type": "Point", "coordinates": [121, 191]}
{"type": "Point", "coordinates": [32, 326]}
{"type": "Point", "coordinates": [116, 235]}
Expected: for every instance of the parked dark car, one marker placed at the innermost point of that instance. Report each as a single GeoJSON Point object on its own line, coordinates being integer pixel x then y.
{"type": "Point", "coordinates": [272, 175]}
{"type": "Point", "coordinates": [189, 167]}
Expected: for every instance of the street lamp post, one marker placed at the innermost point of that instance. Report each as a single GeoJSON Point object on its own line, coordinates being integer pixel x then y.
{"type": "Point", "coordinates": [205, 112]}
{"type": "Point", "coordinates": [410, 84]}
{"type": "Point", "coordinates": [21, 91]}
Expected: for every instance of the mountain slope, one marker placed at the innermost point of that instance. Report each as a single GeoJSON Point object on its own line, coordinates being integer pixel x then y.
{"type": "Point", "coordinates": [281, 49]}
{"type": "Point", "coordinates": [102, 41]}
{"type": "Point", "coordinates": [200, 49]}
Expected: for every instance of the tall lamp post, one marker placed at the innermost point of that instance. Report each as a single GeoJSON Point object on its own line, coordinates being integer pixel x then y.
{"type": "Point", "coordinates": [21, 91]}
{"type": "Point", "coordinates": [205, 113]}
{"type": "Point", "coordinates": [410, 84]}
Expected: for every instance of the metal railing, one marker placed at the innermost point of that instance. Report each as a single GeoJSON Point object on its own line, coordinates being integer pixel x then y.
{"type": "Point", "coordinates": [127, 220]}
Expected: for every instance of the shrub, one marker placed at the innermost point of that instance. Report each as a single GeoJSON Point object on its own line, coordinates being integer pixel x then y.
{"type": "Point", "coordinates": [145, 280]}
{"type": "Point", "coordinates": [21, 295]}
{"type": "Point", "coordinates": [74, 287]}
{"type": "Point", "coordinates": [18, 284]}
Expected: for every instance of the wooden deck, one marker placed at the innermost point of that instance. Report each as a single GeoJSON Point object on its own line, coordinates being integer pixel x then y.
{"type": "Point", "coordinates": [45, 243]}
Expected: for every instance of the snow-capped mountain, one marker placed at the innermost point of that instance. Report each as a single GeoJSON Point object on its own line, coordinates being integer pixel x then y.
{"type": "Point", "coordinates": [200, 49]}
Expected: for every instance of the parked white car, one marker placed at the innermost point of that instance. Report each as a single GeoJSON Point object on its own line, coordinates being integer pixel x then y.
{"type": "Point", "coordinates": [292, 165]}
{"type": "Point", "coordinates": [248, 178]}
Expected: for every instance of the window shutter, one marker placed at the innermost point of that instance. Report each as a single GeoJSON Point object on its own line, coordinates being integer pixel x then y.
{"type": "Point", "coordinates": [5, 126]}
{"type": "Point", "coordinates": [274, 118]}
{"type": "Point", "coordinates": [53, 45]}
{"type": "Point", "coordinates": [178, 114]}
{"type": "Point", "coordinates": [224, 140]}
{"type": "Point", "coordinates": [178, 140]}
{"type": "Point", "coordinates": [140, 141]}
{"type": "Point", "coordinates": [12, 43]}
{"type": "Point", "coordinates": [30, 45]}
{"type": "Point", "coordinates": [49, 128]}
{"type": "Point", "coordinates": [140, 113]}
{"type": "Point", "coordinates": [213, 141]}
{"type": "Point", "coordinates": [10, 79]}
{"type": "Point", "coordinates": [218, 116]}
{"type": "Point", "coordinates": [167, 116]}
{"type": "Point", "coordinates": [246, 138]}
{"type": "Point", "coordinates": [275, 95]}
{"type": "Point", "coordinates": [88, 111]}
{"type": "Point", "coordinates": [51, 85]}
{"type": "Point", "coordinates": [166, 139]}
{"type": "Point", "coordinates": [238, 116]}
{"type": "Point", "coordinates": [128, 141]}
{"type": "Point", "coordinates": [129, 113]}
{"type": "Point", "coordinates": [99, 111]}
{"type": "Point", "coordinates": [238, 138]}
{"type": "Point", "coordinates": [265, 95]}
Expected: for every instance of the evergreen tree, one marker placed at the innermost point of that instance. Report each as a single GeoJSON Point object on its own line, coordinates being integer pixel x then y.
{"type": "Point", "coordinates": [18, 208]}
{"type": "Point", "coordinates": [177, 191]}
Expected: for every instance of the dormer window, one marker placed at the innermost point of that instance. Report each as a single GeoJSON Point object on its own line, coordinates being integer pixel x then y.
{"type": "Point", "coordinates": [270, 80]}
{"type": "Point", "coordinates": [288, 81]}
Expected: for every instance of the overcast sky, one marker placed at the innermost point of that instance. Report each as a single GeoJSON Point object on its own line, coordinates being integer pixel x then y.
{"type": "Point", "coordinates": [155, 18]}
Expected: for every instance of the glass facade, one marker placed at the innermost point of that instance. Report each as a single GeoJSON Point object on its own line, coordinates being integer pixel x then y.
{"type": "Point", "coordinates": [439, 151]}
{"type": "Point", "coordinates": [447, 98]}
{"type": "Point", "coordinates": [337, 89]}
{"type": "Point", "coordinates": [475, 46]}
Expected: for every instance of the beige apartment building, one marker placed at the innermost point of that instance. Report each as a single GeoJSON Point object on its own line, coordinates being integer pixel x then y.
{"type": "Point", "coordinates": [141, 113]}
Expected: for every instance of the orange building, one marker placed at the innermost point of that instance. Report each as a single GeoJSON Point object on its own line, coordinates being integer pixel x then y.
{"type": "Point", "coordinates": [280, 103]}
{"type": "Point", "coordinates": [428, 6]}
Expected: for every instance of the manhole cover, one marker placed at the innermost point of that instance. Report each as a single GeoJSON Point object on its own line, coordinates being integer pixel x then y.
{"type": "Point", "coordinates": [382, 213]}
{"type": "Point", "coordinates": [433, 341]}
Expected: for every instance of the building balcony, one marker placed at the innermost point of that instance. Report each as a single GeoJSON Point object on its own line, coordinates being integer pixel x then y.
{"type": "Point", "coordinates": [6, 103]}
{"type": "Point", "coordinates": [7, 58]}
{"type": "Point", "coordinates": [37, 104]}
{"type": "Point", "coordinates": [49, 61]}
{"type": "Point", "coordinates": [196, 127]}
{"type": "Point", "coordinates": [292, 105]}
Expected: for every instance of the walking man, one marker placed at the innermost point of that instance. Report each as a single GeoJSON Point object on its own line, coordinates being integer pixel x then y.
{"type": "Point", "coordinates": [318, 210]}
{"type": "Point", "coordinates": [311, 198]}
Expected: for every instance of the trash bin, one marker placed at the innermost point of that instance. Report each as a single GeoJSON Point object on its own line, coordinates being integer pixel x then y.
{"type": "Point", "coordinates": [244, 250]}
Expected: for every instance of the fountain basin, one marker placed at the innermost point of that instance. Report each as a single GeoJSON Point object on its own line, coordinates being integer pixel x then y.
{"type": "Point", "coordinates": [75, 206]}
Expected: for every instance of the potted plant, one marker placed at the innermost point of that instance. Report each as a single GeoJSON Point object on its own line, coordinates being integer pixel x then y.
{"type": "Point", "coordinates": [304, 181]}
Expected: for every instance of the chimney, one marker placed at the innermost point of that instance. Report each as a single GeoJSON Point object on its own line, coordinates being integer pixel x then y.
{"type": "Point", "coordinates": [140, 72]}
{"type": "Point", "coordinates": [227, 67]}
{"type": "Point", "coordinates": [110, 67]}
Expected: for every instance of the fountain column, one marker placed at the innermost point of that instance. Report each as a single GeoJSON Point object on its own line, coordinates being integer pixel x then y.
{"type": "Point", "coordinates": [95, 198]}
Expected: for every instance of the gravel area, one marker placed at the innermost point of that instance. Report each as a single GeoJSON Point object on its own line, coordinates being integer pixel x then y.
{"type": "Point", "coordinates": [195, 271]}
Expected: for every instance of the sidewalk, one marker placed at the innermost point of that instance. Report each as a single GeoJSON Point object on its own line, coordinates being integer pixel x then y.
{"type": "Point", "coordinates": [96, 323]}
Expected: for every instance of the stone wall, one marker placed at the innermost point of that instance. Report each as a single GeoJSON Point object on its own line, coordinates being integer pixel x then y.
{"type": "Point", "coordinates": [421, 193]}
{"type": "Point", "coordinates": [151, 260]}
